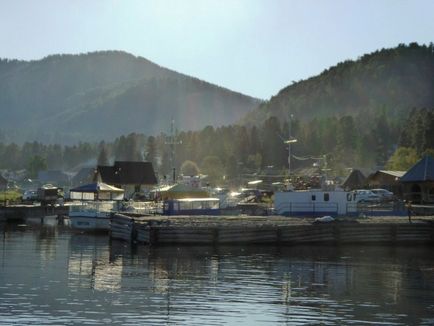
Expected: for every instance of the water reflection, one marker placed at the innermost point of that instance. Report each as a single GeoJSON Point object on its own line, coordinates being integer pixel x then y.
{"type": "Point", "coordinates": [50, 275]}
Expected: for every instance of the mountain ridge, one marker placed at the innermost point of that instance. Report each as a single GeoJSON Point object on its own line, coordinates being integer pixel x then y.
{"type": "Point", "coordinates": [395, 79]}
{"type": "Point", "coordinates": [34, 93]}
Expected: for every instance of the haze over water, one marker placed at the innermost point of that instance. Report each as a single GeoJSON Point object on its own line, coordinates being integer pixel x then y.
{"type": "Point", "coordinates": [51, 275]}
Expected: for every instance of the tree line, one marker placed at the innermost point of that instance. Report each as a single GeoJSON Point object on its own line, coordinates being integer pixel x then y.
{"type": "Point", "coordinates": [415, 141]}
{"type": "Point", "coordinates": [225, 153]}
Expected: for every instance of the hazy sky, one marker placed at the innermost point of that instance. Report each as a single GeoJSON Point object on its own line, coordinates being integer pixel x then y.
{"type": "Point", "coordinates": [254, 47]}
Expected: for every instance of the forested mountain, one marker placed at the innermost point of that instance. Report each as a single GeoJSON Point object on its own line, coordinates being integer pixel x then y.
{"type": "Point", "coordinates": [102, 95]}
{"type": "Point", "coordinates": [393, 80]}
{"type": "Point", "coordinates": [374, 113]}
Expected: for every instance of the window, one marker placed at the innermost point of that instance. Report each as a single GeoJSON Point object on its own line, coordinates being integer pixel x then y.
{"type": "Point", "coordinates": [326, 196]}
{"type": "Point", "coordinates": [313, 197]}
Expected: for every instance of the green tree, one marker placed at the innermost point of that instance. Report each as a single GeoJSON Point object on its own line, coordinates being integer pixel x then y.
{"type": "Point", "coordinates": [103, 155]}
{"type": "Point", "coordinates": [402, 159]}
{"type": "Point", "coordinates": [189, 168]}
{"type": "Point", "coordinates": [213, 167]}
{"type": "Point", "coordinates": [254, 161]}
{"type": "Point", "coordinates": [232, 167]}
{"type": "Point", "coordinates": [151, 150]}
{"type": "Point", "coordinates": [273, 151]}
{"type": "Point", "coordinates": [37, 163]}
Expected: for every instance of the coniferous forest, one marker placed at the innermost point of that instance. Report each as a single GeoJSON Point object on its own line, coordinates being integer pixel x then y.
{"type": "Point", "coordinates": [230, 151]}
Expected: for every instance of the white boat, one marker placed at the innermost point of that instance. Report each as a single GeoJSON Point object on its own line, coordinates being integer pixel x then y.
{"type": "Point", "coordinates": [92, 215]}
{"type": "Point", "coordinates": [96, 203]}
{"type": "Point", "coordinates": [314, 203]}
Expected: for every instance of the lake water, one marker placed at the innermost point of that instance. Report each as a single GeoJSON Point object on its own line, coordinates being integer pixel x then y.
{"type": "Point", "coordinates": [50, 275]}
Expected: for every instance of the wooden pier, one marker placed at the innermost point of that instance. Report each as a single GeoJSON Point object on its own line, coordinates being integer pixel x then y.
{"type": "Point", "coordinates": [21, 212]}
{"type": "Point", "coordinates": [215, 230]}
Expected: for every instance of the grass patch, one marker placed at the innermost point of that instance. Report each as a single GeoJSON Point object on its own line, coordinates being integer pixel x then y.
{"type": "Point", "coordinates": [11, 195]}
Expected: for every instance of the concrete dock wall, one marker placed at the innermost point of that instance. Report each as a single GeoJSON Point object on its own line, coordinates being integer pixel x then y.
{"type": "Point", "coordinates": [10, 213]}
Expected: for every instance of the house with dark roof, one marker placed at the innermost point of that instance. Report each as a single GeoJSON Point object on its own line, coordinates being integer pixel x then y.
{"type": "Point", "coordinates": [418, 182]}
{"type": "Point", "coordinates": [128, 175]}
{"type": "Point", "coordinates": [83, 176]}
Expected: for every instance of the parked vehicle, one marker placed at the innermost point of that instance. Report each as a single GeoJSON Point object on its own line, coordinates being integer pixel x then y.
{"type": "Point", "coordinates": [30, 196]}
{"type": "Point", "coordinates": [49, 194]}
{"type": "Point", "coordinates": [385, 195]}
{"type": "Point", "coordinates": [366, 196]}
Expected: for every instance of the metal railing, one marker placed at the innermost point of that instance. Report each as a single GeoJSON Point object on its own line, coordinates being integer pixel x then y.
{"type": "Point", "coordinates": [396, 208]}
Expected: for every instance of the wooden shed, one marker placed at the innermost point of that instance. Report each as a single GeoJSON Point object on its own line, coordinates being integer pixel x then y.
{"type": "Point", "coordinates": [387, 179]}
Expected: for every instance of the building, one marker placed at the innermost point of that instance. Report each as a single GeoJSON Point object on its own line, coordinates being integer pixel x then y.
{"type": "Point", "coordinates": [133, 177]}
{"type": "Point", "coordinates": [418, 182]}
{"type": "Point", "coordinates": [83, 176]}
{"type": "Point", "coordinates": [387, 179]}
{"type": "Point", "coordinates": [355, 180]}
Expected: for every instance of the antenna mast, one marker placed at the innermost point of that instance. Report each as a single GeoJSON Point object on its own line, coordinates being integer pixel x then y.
{"type": "Point", "coordinates": [172, 141]}
{"type": "Point", "coordinates": [289, 142]}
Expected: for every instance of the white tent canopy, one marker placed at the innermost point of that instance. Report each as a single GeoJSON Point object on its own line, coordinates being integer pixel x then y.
{"type": "Point", "coordinates": [97, 191]}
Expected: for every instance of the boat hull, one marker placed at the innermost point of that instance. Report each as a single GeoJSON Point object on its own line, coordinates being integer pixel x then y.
{"type": "Point", "coordinates": [92, 216]}
{"type": "Point", "coordinates": [89, 223]}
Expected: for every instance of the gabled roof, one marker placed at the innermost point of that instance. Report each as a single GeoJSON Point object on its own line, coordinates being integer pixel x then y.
{"type": "Point", "coordinates": [97, 187]}
{"type": "Point", "coordinates": [128, 173]}
{"type": "Point", "coordinates": [421, 171]}
{"type": "Point", "coordinates": [308, 172]}
{"type": "Point", "coordinates": [107, 174]}
{"type": "Point", "coordinates": [85, 175]}
{"type": "Point", "coordinates": [397, 174]}
{"type": "Point", "coordinates": [354, 180]}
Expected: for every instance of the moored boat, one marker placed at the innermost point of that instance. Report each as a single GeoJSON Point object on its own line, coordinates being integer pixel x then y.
{"type": "Point", "coordinates": [92, 215]}
{"type": "Point", "coordinates": [192, 206]}
{"type": "Point", "coordinates": [96, 203]}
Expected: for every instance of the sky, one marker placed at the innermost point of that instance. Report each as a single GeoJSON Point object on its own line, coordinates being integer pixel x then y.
{"type": "Point", "coordinates": [256, 47]}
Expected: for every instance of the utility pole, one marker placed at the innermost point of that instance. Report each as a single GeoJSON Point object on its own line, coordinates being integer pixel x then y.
{"type": "Point", "coordinates": [290, 141]}
{"type": "Point", "coordinates": [172, 141]}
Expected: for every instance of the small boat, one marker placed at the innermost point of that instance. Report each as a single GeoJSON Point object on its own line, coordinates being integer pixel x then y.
{"type": "Point", "coordinates": [96, 203]}
{"type": "Point", "coordinates": [92, 215]}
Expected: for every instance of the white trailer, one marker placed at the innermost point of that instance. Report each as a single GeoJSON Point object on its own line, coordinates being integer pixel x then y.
{"type": "Point", "coordinates": [315, 203]}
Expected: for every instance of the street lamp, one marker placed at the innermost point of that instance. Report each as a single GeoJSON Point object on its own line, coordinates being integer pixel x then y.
{"type": "Point", "coordinates": [288, 142]}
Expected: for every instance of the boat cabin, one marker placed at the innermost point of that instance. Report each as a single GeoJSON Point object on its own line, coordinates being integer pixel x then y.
{"type": "Point", "coordinates": [192, 206]}
{"type": "Point", "coordinates": [96, 191]}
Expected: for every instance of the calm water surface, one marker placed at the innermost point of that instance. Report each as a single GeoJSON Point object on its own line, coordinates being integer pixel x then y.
{"type": "Point", "coordinates": [50, 275]}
